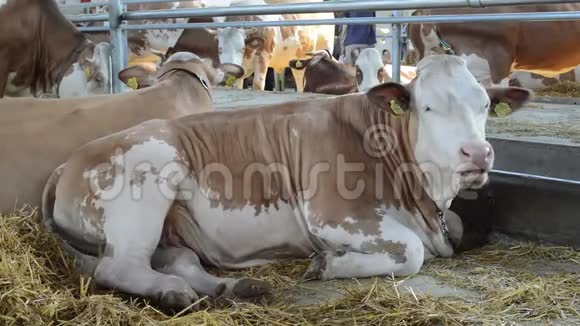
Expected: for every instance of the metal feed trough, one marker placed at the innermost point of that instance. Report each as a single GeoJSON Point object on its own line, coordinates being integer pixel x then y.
{"type": "Point", "coordinates": [536, 188]}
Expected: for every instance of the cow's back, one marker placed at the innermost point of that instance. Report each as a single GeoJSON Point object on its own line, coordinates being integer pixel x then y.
{"type": "Point", "coordinates": [37, 145]}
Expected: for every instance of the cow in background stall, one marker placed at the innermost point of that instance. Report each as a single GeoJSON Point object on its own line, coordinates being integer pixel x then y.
{"type": "Point", "coordinates": [494, 50]}
{"type": "Point", "coordinates": [256, 49]}
{"type": "Point", "coordinates": [43, 54]}
{"type": "Point", "coordinates": [324, 74]}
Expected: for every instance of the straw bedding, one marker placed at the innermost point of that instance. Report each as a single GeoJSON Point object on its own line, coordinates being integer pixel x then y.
{"type": "Point", "coordinates": [564, 88]}
{"type": "Point", "coordinates": [503, 284]}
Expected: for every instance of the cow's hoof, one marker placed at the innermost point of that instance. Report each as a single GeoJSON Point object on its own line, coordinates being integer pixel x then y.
{"type": "Point", "coordinates": [175, 301]}
{"type": "Point", "coordinates": [252, 290]}
{"type": "Point", "coordinates": [316, 268]}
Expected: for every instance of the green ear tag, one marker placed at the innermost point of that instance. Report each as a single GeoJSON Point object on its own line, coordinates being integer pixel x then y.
{"type": "Point", "coordinates": [132, 82]}
{"type": "Point", "coordinates": [396, 108]}
{"type": "Point", "coordinates": [502, 109]}
{"type": "Point", "coordinates": [230, 81]}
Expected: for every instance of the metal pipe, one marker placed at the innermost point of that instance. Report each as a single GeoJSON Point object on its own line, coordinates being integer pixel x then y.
{"type": "Point", "coordinates": [130, 2]}
{"type": "Point", "coordinates": [118, 43]}
{"type": "Point", "coordinates": [533, 16]}
{"type": "Point", "coordinates": [89, 29]}
{"type": "Point", "coordinates": [88, 18]}
{"type": "Point", "coordinates": [396, 55]}
{"type": "Point", "coordinates": [520, 176]}
{"type": "Point", "coordinates": [84, 5]}
{"type": "Point", "coordinates": [296, 8]}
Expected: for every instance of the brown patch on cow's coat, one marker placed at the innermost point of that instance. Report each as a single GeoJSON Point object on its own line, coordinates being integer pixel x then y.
{"type": "Point", "coordinates": [396, 250]}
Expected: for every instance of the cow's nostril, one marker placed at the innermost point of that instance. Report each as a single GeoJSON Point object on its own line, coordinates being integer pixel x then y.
{"type": "Point", "coordinates": [464, 152]}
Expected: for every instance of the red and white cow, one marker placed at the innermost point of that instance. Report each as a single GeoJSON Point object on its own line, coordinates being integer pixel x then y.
{"type": "Point", "coordinates": [142, 209]}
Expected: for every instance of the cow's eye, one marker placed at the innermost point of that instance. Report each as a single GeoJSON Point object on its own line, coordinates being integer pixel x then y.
{"type": "Point", "coordinates": [427, 109]}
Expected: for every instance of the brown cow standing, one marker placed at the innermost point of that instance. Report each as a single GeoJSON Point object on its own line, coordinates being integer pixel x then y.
{"type": "Point", "coordinates": [40, 48]}
{"type": "Point", "coordinates": [494, 49]}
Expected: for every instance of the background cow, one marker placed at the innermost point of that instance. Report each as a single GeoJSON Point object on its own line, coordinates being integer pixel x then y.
{"type": "Point", "coordinates": [493, 50]}
{"type": "Point", "coordinates": [36, 135]}
{"type": "Point", "coordinates": [41, 52]}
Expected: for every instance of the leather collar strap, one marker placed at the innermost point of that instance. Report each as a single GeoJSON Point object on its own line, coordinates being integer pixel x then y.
{"type": "Point", "coordinates": [448, 49]}
{"type": "Point", "coordinates": [194, 74]}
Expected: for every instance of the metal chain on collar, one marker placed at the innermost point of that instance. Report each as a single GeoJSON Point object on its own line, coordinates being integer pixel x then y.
{"type": "Point", "coordinates": [443, 224]}
{"type": "Point", "coordinates": [448, 49]}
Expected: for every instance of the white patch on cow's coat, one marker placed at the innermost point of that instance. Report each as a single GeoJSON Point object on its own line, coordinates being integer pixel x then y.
{"type": "Point", "coordinates": [227, 236]}
{"type": "Point", "coordinates": [121, 210]}
{"type": "Point", "coordinates": [369, 62]}
{"type": "Point", "coordinates": [231, 45]}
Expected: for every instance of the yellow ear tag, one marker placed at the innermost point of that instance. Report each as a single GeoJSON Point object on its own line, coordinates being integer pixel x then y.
{"type": "Point", "coordinates": [396, 108]}
{"type": "Point", "coordinates": [88, 72]}
{"type": "Point", "coordinates": [502, 109]}
{"type": "Point", "coordinates": [230, 81]}
{"type": "Point", "coordinates": [132, 82]}
{"type": "Point", "coordinates": [298, 64]}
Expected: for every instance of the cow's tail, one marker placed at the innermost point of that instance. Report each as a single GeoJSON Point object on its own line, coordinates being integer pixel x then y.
{"type": "Point", "coordinates": [86, 263]}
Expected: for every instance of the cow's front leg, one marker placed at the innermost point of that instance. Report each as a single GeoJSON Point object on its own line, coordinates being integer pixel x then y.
{"type": "Point", "coordinates": [393, 249]}
{"type": "Point", "coordinates": [299, 79]}
{"type": "Point", "coordinates": [260, 71]}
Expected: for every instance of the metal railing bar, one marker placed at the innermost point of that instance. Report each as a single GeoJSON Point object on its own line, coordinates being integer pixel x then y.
{"type": "Point", "coordinates": [297, 8]}
{"type": "Point", "coordinates": [548, 16]}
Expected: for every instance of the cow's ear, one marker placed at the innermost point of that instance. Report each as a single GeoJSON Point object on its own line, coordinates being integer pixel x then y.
{"type": "Point", "coordinates": [514, 97]}
{"type": "Point", "coordinates": [255, 42]}
{"type": "Point", "coordinates": [228, 74]}
{"type": "Point", "coordinates": [391, 96]}
{"type": "Point", "coordinates": [137, 77]}
{"type": "Point", "coordinates": [299, 64]}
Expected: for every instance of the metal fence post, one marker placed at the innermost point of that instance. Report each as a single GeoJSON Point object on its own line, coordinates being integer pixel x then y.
{"type": "Point", "coordinates": [118, 43]}
{"type": "Point", "coordinates": [396, 53]}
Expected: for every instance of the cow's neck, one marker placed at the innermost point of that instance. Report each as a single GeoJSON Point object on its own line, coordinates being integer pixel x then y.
{"type": "Point", "coordinates": [57, 47]}
{"type": "Point", "coordinates": [391, 140]}
{"type": "Point", "coordinates": [188, 83]}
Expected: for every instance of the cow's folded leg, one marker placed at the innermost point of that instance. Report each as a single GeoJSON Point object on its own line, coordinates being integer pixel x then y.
{"type": "Point", "coordinates": [183, 262]}
{"type": "Point", "coordinates": [397, 251]}
{"type": "Point", "coordinates": [137, 278]}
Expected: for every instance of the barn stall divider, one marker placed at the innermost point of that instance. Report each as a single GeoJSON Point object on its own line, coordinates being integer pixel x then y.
{"type": "Point", "coordinates": [531, 195]}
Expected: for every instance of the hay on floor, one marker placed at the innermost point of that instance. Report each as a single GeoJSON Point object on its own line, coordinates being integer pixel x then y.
{"type": "Point", "coordinates": [38, 286]}
{"type": "Point", "coordinates": [564, 88]}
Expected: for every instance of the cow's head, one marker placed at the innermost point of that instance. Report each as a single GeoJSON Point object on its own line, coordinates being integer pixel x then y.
{"type": "Point", "coordinates": [90, 75]}
{"type": "Point", "coordinates": [316, 56]}
{"type": "Point", "coordinates": [138, 77]}
{"type": "Point", "coordinates": [448, 110]}
{"type": "Point", "coordinates": [233, 43]}
{"type": "Point", "coordinates": [370, 69]}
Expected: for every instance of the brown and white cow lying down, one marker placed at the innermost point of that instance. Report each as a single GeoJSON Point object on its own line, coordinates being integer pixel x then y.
{"type": "Point", "coordinates": [341, 177]}
{"type": "Point", "coordinates": [324, 74]}
{"type": "Point", "coordinates": [42, 53]}
{"type": "Point", "coordinates": [37, 135]}
{"type": "Point", "coordinates": [493, 50]}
